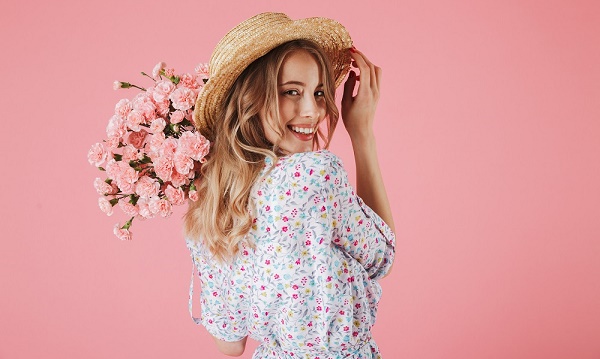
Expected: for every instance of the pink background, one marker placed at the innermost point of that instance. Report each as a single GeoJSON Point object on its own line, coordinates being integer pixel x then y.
{"type": "Point", "coordinates": [489, 136]}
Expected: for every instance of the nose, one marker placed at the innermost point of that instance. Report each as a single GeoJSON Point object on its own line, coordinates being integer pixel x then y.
{"type": "Point", "coordinates": [309, 108]}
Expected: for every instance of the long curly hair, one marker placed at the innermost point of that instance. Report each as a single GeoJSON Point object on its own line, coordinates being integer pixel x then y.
{"type": "Point", "coordinates": [223, 216]}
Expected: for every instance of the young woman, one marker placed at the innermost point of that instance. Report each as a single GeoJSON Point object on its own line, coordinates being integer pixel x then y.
{"type": "Point", "coordinates": [286, 251]}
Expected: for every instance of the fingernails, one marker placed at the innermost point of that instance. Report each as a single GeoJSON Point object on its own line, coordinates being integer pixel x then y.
{"type": "Point", "coordinates": [353, 49]}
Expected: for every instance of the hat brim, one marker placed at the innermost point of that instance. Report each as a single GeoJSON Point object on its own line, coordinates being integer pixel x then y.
{"type": "Point", "coordinates": [253, 39]}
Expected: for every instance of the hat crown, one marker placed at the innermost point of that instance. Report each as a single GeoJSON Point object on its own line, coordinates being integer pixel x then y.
{"type": "Point", "coordinates": [247, 38]}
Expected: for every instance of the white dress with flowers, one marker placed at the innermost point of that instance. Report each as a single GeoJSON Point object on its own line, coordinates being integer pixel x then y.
{"type": "Point", "coordinates": [309, 288]}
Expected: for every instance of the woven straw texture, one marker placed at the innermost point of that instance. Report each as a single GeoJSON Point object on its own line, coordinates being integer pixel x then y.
{"type": "Point", "coordinates": [254, 38]}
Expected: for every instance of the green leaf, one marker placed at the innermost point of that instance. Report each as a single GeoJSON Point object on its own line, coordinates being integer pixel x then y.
{"type": "Point", "coordinates": [146, 159]}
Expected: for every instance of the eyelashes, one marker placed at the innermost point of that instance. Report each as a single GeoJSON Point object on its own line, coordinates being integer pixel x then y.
{"type": "Point", "coordinates": [297, 93]}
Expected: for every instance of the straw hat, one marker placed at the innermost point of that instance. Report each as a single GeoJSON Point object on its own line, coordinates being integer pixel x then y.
{"type": "Point", "coordinates": [254, 38]}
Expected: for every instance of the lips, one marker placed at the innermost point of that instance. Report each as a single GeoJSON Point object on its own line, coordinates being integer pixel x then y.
{"type": "Point", "coordinates": [303, 132]}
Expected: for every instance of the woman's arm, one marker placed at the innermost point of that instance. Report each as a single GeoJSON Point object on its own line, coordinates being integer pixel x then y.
{"type": "Point", "coordinates": [358, 113]}
{"type": "Point", "coordinates": [234, 349]}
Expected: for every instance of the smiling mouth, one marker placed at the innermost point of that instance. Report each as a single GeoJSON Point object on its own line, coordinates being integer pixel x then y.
{"type": "Point", "coordinates": [303, 130]}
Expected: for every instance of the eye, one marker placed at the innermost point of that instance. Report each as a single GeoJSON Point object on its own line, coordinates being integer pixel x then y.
{"type": "Point", "coordinates": [319, 94]}
{"type": "Point", "coordinates": [291, 92]}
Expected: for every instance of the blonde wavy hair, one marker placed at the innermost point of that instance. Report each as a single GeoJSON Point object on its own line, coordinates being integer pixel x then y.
{"type": "Point", "coordinates": [223, 216]}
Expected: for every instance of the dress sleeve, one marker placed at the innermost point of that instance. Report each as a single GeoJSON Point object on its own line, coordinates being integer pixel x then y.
{"type": "Point", "coordinates": [222, 296]}
{"type": "Point", "coordinates": [357, 229]}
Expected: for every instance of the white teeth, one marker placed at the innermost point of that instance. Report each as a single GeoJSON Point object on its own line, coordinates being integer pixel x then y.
{"type": "Point", "coordinates": [303, 130]}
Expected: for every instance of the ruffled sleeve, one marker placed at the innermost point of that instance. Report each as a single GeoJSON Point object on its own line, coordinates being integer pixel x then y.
{"type": "Point", "coordinates": [222, 295]}
{"type": "Point", "coordinates": [357, 229]}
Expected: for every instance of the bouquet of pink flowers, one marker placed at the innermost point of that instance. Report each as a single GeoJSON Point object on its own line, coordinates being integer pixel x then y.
{"type": "Point", "coordinates": [152, 153]}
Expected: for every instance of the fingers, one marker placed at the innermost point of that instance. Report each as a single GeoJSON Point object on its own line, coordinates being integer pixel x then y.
{"type": "Point", "coordinates": [349, 88]}
{"type": "Point", "coordinates": [365, 71]}
{"type": "Point", "coordinates": [370, 75]}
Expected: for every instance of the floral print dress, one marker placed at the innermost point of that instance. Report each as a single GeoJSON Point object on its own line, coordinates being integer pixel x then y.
{"type": "Point", "coordinates": [308, 288]}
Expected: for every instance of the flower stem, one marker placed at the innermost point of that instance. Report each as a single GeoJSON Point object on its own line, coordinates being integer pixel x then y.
{"type": "Point", "coordinates": [126, 85]}
{"type": "Point", "coordinates": [148, 76]}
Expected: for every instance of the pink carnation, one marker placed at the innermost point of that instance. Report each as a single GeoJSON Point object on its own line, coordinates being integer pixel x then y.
{"type": "Point", "coordinates": [148, 110]}
{"type": "Point", "coordinates": [116, 127]}
{"type": "Point", "coordinates": [160, 206]}
{"type": "Point", "coordinates": [111, 168]}
{"type": "Point", "coordinates": [117, 85]}
{"type": "Point", "coordinates": [112, 143]}
{"type": "Point", "coordinates": [163, 166]}
{"type": "Point", "coordinates": [144, 209]}
{"type": "Point", "coordinates": [177, 116]}
{"type": "Point", "coordinates": [122, 233]}
{"type": "Point", "coordinates": [130, 153]}
{"type": "Point", "coordinates": [189, 81]}
{"type": "Point", "coordinates": [157, 68]}
{"type": "Point", "coordinates": [126, 188]}
{"type": "Point", "coordinates": [183, 163]}
{"type": "Point", "coordinates": [156, 142]}
{"type": "Point", "coordinates": [147, 187]}
{"type": "Point", "coordinates": [123, 107]}
{"type": "Point", "coordinates": [103, 188]}
{"type": "Point", "coordinates": [202, 71]}
{"type": "Point", "coordinates": [194, 145]}
{"type": "Point", "coordinates": [128, 208]}
{"type": "Point", "coordinates": [97, 155]}
{"type": "Point", "coordinates": [162, 90]}
{"type": "Point", "coordinates": [169, 72]}
{"type": "Point", "coordinates": [140, 99]}
{"type": "Point", "coordinates": [169, 146]}
{"type": "Point", "coordinates": [134, 119]}
{"type": "Point", "coordinates": [183, 98]}
{"type": "Point", "coordinates": [136, 139]}
{"type": "Point", "coordinates": [193, 195]}
{"type": "Point", "coordinates": [127, 173]}
{"type": "Point", "coordinates": [163, 108]}
{"type": "Point", "coordinates": [177, 179]}
{"type": "Point", "coordinates": [175, 195]}
{"type": "Point", "coordinates": [158, 125]}
{"type": "Point", "coordinates": [125, 176]}
{"type": "Point", "coordinates": [105, 206]}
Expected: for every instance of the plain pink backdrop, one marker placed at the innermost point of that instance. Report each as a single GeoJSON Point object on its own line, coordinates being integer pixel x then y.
{"type": "Point", "coordinates": [489, 135]}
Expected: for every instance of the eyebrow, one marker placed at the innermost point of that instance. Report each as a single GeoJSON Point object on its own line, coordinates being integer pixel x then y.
{"type": "Point", "coordinates": [299, 83]}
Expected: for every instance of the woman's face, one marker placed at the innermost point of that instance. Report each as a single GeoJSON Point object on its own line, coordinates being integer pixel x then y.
{"type": "Point", "coordinates": [301, 101]}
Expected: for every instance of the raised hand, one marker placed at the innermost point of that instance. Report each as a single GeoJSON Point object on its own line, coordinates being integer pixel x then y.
{"type": "Point", "coordinates": [358, 112]}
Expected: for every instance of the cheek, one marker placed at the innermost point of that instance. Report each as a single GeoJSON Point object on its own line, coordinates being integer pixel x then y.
{"type": "Point", "coordinates": [286, 110]}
